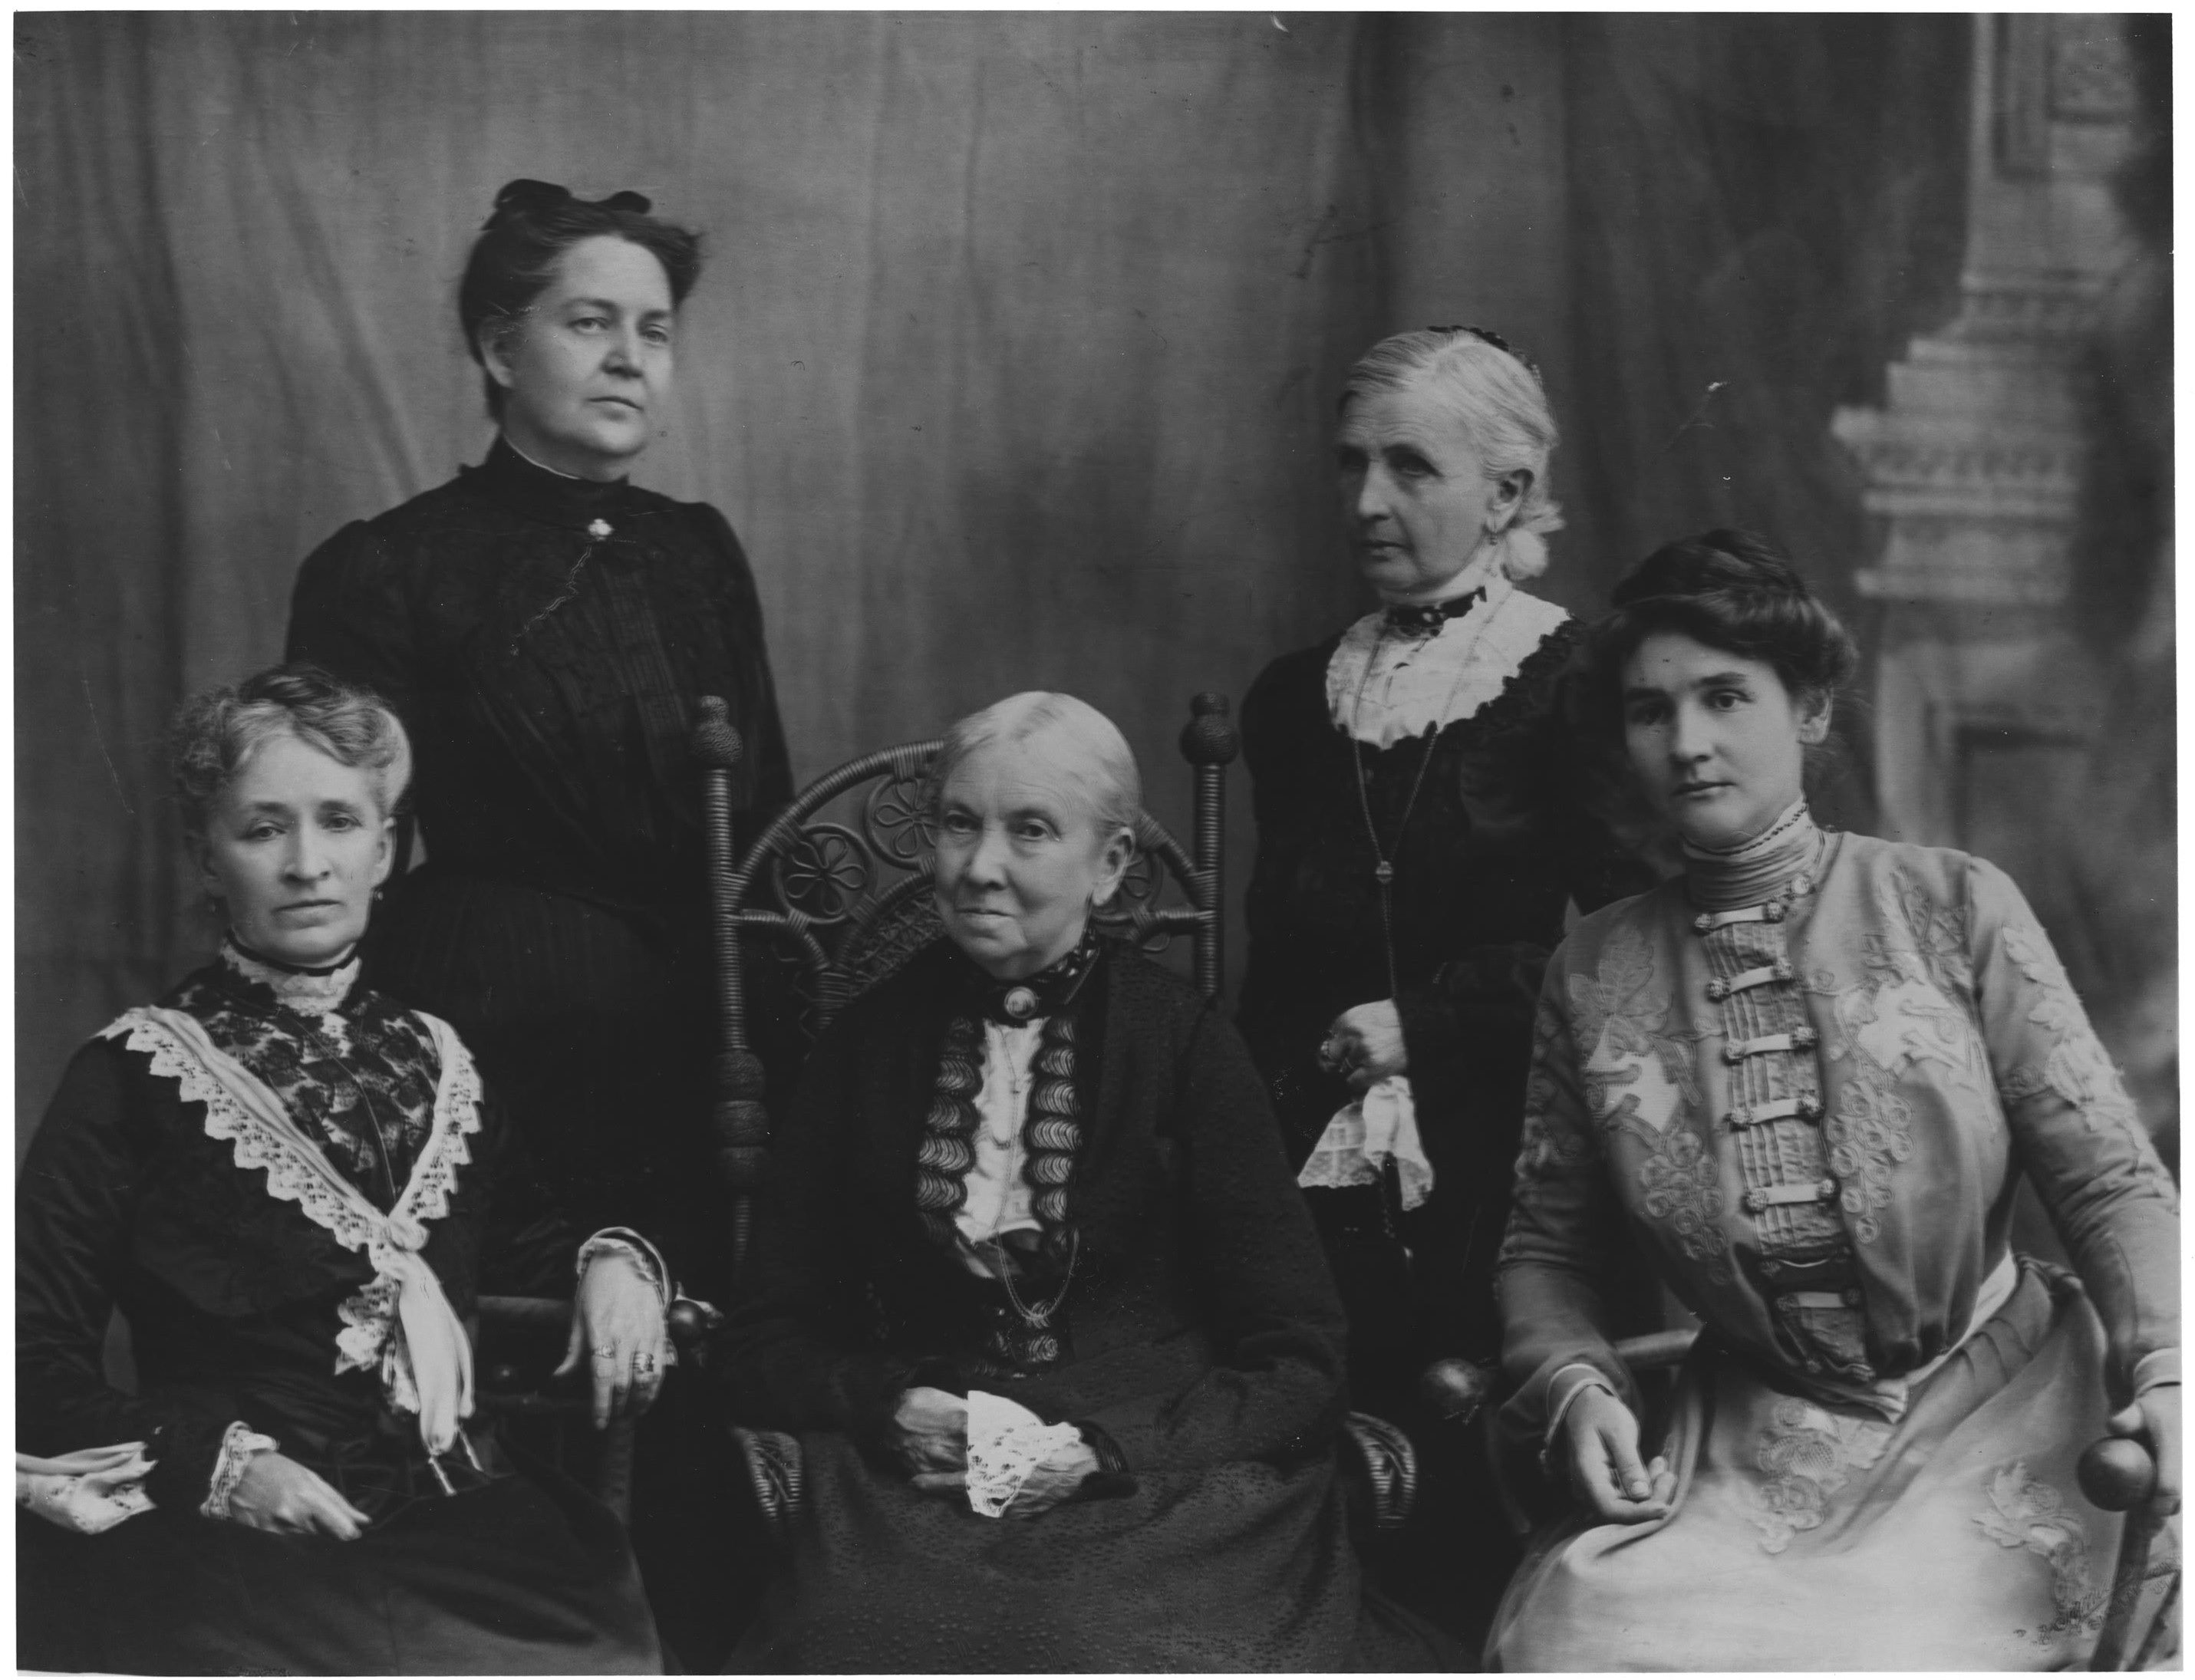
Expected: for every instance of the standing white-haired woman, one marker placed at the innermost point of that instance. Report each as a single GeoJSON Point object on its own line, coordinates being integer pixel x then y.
{"type": "Point", "coordinates": [293, 1189]}
{"type": "Point", "coordinates": [1421, 827]}
{"type": "Point", "coordinates": [1029, 1249]}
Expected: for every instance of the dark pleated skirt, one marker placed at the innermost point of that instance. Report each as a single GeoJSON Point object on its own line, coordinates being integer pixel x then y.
{"type": "Point", "coordinates": [519, 1577]}
{"type": "Point", "coordinates": [1245, 1568]}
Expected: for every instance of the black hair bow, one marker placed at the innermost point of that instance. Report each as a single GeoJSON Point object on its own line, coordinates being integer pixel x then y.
{"type": "Point", "coordinates": [534, 197]}
{"type": "Point", "coordinates": [1487, 335]}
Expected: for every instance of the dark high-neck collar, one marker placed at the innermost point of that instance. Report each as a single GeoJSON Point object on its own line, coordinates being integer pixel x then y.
{"type": "Point", "coordinates": [1757, 871]}
{"type": "Point", "coordinates": [1051, 990]}
{"type": "Point", "coordinates": [527, 488]}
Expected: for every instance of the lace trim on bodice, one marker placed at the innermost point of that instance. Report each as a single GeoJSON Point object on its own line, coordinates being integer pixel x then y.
{"type": "Point", "coordinates": [316, 994]}
{"type": "Point", "coordinates": [1382, 689]}
{"type": "Point", "coordinates": [369, 1315]}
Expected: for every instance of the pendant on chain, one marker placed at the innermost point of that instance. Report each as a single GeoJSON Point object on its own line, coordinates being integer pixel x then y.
{"type": "Point", "coordinates": [1385, 874]}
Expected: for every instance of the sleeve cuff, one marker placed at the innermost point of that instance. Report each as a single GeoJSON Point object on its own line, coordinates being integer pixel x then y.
{"type": "Point", "coordinates": [2158, 1370]}
{"type": "Point", "coordinates": [620, 1240]}
{"type": "Point", "coordinates": [239, 1446]}
{"type": "Point", "coordinates": [1562, 1389]}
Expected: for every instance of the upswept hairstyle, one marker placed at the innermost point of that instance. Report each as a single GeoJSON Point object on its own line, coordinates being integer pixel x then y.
{"type": "Point", "coordinates": [215, 735]}
{"type": "Point", "coordinates": [1730, 589]}
{"type": "Point", "coordinates": [1101, 754]}
{"type": "Point", "coordinates": [531, 226]}
{"type": "Point", "coordinates": [1495, 396]}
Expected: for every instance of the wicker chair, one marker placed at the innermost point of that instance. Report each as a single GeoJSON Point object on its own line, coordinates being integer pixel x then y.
{"type": "Point", "coordinates": [841, 879]}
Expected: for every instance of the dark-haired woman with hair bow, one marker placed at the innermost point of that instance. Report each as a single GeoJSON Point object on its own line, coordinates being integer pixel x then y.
{"type": "Point", "coordinates": [1804, 1081]}
{"type": "Point", "coordinates": [545, 628]}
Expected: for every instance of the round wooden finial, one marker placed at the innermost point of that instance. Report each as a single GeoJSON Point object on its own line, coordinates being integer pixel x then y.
{"type": "Point", "coordinates": [714, 741]}
{"type": "Point", "coordinates": [1455, 1389]}
{"type": "Point", "coordinates": [2117, 1473]}
{"type": "Point", "coordinates": [691, 1320]}
{"type": "Point", "coordinates": [1210, 736]}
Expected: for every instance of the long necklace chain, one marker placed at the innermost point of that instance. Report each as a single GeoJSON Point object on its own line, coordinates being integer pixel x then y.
{"type": "Point", "coordinates": [1037, 1317]}
{"type": "Point", "coordinates": [1384, 870]}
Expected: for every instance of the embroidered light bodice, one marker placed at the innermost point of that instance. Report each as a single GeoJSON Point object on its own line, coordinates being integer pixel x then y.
{"type": "Point", "coordinates": [1382, 686]}
{"type": "Point", "coordinates": [1811, 1108]}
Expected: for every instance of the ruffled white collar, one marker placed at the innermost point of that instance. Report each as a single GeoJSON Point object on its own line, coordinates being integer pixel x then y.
{"type": "Point", "coordinates": [314, 991]}
{"type": "Point", "coordinates": [1384, 688]}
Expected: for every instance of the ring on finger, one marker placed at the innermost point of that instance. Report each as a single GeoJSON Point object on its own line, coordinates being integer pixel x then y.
{"type": "Point", "coordinates": [644, 1363]}
{"type": "Point", "coordinates": [608, 1356]}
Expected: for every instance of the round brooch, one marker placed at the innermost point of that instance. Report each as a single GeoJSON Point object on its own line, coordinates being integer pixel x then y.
{"type": "Point", "coordinates": [598, 529]}
{"type": "Point", "coordinates": [1020, 1003]}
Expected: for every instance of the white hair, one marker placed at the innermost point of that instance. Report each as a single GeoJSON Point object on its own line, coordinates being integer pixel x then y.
{"type": "Point", "coordinates": [1497, 401]}
{"type": "Point", "coordinates": [1104, 763]}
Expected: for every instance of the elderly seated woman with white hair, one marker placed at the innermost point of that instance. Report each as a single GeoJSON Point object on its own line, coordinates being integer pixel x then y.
{"type": "Point", "coordinates": [1031, 1280]}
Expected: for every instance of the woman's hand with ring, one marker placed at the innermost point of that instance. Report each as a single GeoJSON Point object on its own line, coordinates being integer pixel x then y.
{"type": "Point", "coordinates": [1365, 1043]}
{"type": "Point", "coordinates": [617, 1322]}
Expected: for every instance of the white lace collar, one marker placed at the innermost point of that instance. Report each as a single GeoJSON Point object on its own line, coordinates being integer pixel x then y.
{"type": "Point", "coordinates": [1384, 688]}
{"type": "Point", "coordinates": [308, 992]}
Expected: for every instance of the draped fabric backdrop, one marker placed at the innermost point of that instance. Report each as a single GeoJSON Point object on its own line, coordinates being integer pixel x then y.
{"type": "Point", "coordinates": [1013, 362]}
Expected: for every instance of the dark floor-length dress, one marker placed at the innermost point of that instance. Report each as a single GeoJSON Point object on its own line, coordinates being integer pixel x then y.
{"type": "Point", "coordinates": [1502, 834]}
{"type": "Point", "coordinates": [545, 640]}
{"type": "Point", "coordinates": [236, 1301]}
{"type": "Point", "coordinates": [1199, 1338]}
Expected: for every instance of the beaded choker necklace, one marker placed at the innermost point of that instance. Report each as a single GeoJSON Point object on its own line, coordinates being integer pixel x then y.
{"type": "Point", "coordinates": [1428, 620]}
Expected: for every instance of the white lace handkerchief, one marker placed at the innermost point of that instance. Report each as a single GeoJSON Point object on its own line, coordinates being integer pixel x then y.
{"type": "Point", "coordinates": [89, 1491]}
{"type": "Point", "coordinates": [1379, 1126]}
{"type": "Point", "coordinates": [1006, 1441]}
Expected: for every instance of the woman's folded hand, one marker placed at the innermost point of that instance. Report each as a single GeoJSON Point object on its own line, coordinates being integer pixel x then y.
{"type": "Point", "coordinates": [2153, 1420]}
{"type": "Point", "coordinates": [1365, 1045]}
{"type": "Point", "coordinates": [1050, 1482]}
{"type": "Point", "coordinates": [929, 1436]}
{"type": "Point", "coordinates": [1603, 1461]}
{"type": "Point", "coordinates": [279, 1495]}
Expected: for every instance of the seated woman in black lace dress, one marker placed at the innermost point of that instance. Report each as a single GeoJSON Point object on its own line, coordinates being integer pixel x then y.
{"type": "Point", "coordinates": [1029, 1249]}
{"type": "Point", "coordinates": [294, 1190]}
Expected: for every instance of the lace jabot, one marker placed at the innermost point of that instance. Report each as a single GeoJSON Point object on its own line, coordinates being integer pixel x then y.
{"type": "Point", "coordinates": [309, 991]}
{"type": "Point", "coordinates": [1382, 687]}
{"type": "Point", "coordinates": [1756, 871]}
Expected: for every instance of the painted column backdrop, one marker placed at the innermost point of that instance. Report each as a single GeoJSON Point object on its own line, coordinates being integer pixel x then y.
{"type": "Point", "coordinates": [1012, 365]}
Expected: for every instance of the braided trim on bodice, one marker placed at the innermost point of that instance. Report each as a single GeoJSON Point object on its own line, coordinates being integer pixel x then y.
{"type": "Point", "coordinates": [948, 1151]}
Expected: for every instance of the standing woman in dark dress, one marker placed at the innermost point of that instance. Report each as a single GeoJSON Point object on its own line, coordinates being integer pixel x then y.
{"type": "Point", "coordinates": [1421, 827]}
{"type": "Point", "coordinates": [544, 629]}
